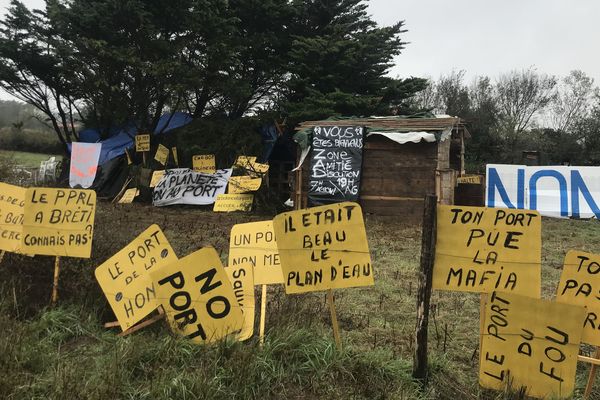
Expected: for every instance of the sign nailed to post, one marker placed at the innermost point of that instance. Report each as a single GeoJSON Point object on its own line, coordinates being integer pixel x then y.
{"type": "Point", "coordinates": [125, 277]}
{"type": "Point", "coordinates": [486, 249]}
{"type": "Point", "coordinates": [12, 202]}
{"type": "Point", "coordinates": [323, 248]}
{"type": "Point", "coordinates": [142, 143]}
{"type": "Point", "coordinates": [204, 163]}
{"type": "Point", "coordinates": [530, 342]}
{"type": "Point", "coordinates": [59, 222]}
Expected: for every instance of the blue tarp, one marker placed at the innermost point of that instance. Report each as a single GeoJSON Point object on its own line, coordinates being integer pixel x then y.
{"type": "Point", "coordinates": [122, 137]}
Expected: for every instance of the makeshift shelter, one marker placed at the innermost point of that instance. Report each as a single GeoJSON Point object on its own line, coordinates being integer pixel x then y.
{"type": "Point", "coordinates": [403, 160]}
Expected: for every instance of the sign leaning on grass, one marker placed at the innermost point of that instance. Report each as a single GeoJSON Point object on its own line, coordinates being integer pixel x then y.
{"type": "Point", "coordinates": [59, 222]}
{"type": "Point", "coordinates": [482, 249]}
{"type": "Point", "coordinates": [198, 298]}
{"type": "Point", "coordinates": [125, 277]}
{"type": "Point", "coordinates": [323, 248]}
{"type": "Point", "coordinates": [12, 203]}
{"type": "Point", "coordinates": [530, 342]}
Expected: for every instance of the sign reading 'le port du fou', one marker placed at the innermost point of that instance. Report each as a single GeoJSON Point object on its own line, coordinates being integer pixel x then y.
{"type": "Point", "coordinates": [336, 163]}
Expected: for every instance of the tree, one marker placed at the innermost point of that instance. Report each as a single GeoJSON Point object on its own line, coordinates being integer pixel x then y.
{"type": "Point", "coordinates": [572, 101]}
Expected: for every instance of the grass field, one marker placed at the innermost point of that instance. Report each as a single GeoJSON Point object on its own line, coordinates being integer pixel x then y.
{"type": "Point", "coordinates": [65, 353]}
{"type": "Point", "coordinates": [24, 158]}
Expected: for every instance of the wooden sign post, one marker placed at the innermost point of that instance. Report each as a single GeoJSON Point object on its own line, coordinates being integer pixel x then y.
{"type": "Point", "coordinates": [54, 298]}
{"type": "Point", "coordinates": [334, 321]}
{"type": "Point", "coordinates": [263, 315]}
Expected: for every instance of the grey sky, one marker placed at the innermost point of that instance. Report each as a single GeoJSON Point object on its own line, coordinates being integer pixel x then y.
{"type": "Point", "coordinates": [487, 37]}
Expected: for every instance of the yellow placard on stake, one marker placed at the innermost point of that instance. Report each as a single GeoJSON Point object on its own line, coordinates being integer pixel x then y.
{"type": "Point", "coordinates": [129, 196]}
{"type": "Point", "coordinates": [204, 163]}
{"type": "Point", "coordinates": [125, 277]}
{"type": "Point", "coordinates": [242, 280]}
{"type": "Point", "coordinates": [482, 249]}
{"type": "Point", "coordinates": [59, 222]}
{"type": "Point", "coordinates": [254, 242]}
{"type": "Point", "coordinates": [258, 168]}
{"type": "Point", "coordinates": [175, 157]}
{"type": "Point", "coordinates": [12, 203]}
{"type": "Point", "coordinates": [243, 184]}
{"type": "Point", "coordinates": [142, 143]}
{"type": "Point", "coordinates": [323, 248]}
{"type": "Point", "coordinates": [530, 342]}
{"type": "Point", "coordinates": [579, 285]}
{"type": "Point", "coordinates": [233, 202]}
{"type": "Point", "coordinates": [162, 154]}
{"type": "Point", "coordinates": [156, 177]}
{"type": "Point", "coordinates": [244, 161]}
{"type": "Point", "coordinates": [198, 298]}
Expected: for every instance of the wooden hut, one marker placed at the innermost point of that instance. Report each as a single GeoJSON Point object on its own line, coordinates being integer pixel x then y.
{"type": "Point", "coordinates": [401, 163]}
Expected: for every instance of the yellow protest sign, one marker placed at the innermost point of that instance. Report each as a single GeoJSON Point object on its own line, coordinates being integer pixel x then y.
{"type": "Point", "coordinates": [243, 184]}
{"type": "Point", "coordinates": [244, 161]}
{"type": "Point", "coordinates": [323, 248]}
{"type": "Point", "coordinates": [470, 179]}
{"type": "Point", "coordinates": [12, 203]}
{"type": "Point", "coordinates": [255, 242]}
{"type": "Point", "coordinates": [58, 222]}
{"type": "Point", "coordinates": [162, 154]}
{"type": "Point", "coordinates": [129, 196]}
{"type": "Point", "coordinates": [125, 277]}
{"type": "Point", "coordinates": [156, 177]}
{"type": "Point", "coordinates": [175, 157]}
{"type": "Point", "coordinates": [482, 249]}
{"type": "Point", "coordinates": [142, 143]}
{"type": "Point", "coordinates": [242, 281]}
{"type": "Point", "coordinates": [259, 168]}
{"type": "Point", "coordinates": [233, 202]}
{"type": "Point", "coordinates": [579, 285]}
{"type": "Point", "coordinates": [204, 163]}
{"type": "Point", "coordinates": [198, 298]}
{"type": "Point", "coordinates": [530, 342]}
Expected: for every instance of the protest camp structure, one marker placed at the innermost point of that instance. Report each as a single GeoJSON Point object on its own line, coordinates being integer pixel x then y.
{"type": "Point", "coordinates": [403, 160]}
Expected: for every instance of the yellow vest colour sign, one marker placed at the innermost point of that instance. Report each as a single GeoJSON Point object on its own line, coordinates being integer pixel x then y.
{"type": "Point", "coordinates": [58, 222]}
{"type": "Point", "coordinates": [482, 249]}
{"type": "Point", "coordinates": [233, 202]}
{"type": "Point", "coordinates": [579, 285]}
{"type": "Point", "coordinates": [258, 168]}
{"type": "Point", "coordinates": [244, 161]}
{"type": "Point", "coordinates": [243, 184]}
{"type": "Point", "coordinates": [323, 248]}
{"type": "Point", "coordinates": [198, 298]}
{"type": "Point", "coordinates": [129, 196]}
{"type": "Point", "coordinates": [142, 143]}
{"type": "Point", "coordinates": [156, 177]}
{"type": "Point", "coordinates": [162, 154]}
{"type": "Point", "coordinates": [242, 280]}
{"type": "Point", "coordinates": [12, 202]}
{"type": "Point", "coordinates": [255, 242]}
{"type": "Point", "coordinates": [530, 342]}
{"type": "Point", "coordinates": [204, 163]}
{"type": "Point", "coordinates": [125, 277]}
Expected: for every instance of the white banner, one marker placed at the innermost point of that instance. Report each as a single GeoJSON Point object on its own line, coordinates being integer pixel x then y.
{"type": "Point", "coordinates": [184, 186]}
{"type": "Point", "coordinates": [554, 191]}
{"type": "Point", "coordinates": [84, 164]}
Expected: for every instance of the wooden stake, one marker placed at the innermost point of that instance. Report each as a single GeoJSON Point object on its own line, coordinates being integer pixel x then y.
{"type": "Point", "coordinates": [592, 376]}
{"type": "Point", "coordinates": [144, 158]}
{"type": "Point", "coordinates": [55, 283]}
{"type": "Point", "coordinates": [334, 321]}
{"type": "Point", "coordinates": [420, 371]}
{"type": "Point", "coordinates": [482, 305]}
{"type": "Point", "coordinates": [263, 314]}
{"type": "Point", "coordinates": [144, 324]}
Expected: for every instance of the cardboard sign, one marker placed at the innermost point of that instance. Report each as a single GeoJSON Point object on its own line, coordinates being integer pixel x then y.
{"type": "Point", "coordinates": [255, 243]}
{"type": "Point", "coordinates": [59, 222]}
{"type": "Point", "coordinates": [243, 184]}
{"type": "Point", "coordinates": [336, 164]}
{"type": "Point", "coordinates": [125, 277]}
{"type": "Point", "coordinates": [233, 202]}
{"type": "Point", "coordinates": [257, 169]}
{"type": "Point", "coordinates": [323, 248]}
{"type": "Point", "coordinates": [12, 203]}
{"type": "Point", "coordinates": [142, 143]}
{"type": "Point", "coordinates": [204, 163]}
{"type": "Point", "coordinates": [530, 342]}
{"type": "Point", "coordinates": [162, 154]}
{"type": "Point", "coordinates": [244, 161]}
{"type": "Point", "coordinates": [129, 196]}
{"type": "Point", "coordinates": [482, 249]}
{"type": "Point", "coordinates": [84, 164]}
{"type": "Point", "coordinates": [242, 281]}
{"type": "Point", "coordinates": [469, 179]}
{"type": "Point", "coordinates": [198, 298]}
{"type": "Point", "coordinates": [579, 285]}
{"type": "Point", "coordinates": [175, 157]}
{"type": "Point", "coordinates": [156, 177]}
{"type": "Point", "coordinates": [184, 186]}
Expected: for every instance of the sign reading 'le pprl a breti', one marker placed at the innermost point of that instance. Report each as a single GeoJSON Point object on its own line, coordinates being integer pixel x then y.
{"type": "Point", "coordinates": [482, 249]}
{"type": "Point", "coordinates": [336, 163]}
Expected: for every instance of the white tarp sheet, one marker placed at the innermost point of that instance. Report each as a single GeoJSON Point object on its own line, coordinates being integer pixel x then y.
{"type": "Point", "coordinates": [84, 164]}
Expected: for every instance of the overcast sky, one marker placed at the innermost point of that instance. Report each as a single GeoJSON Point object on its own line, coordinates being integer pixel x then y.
{"type": "Point", "coordinates": [487, 37]}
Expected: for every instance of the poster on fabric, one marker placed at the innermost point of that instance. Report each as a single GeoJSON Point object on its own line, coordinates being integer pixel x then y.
{"type": "Point", "coordinates": [530, 343]}
{"type": "Point", "coordinates": [184, 186]}
{"type": "Point", "coordinates": [12, 203]}
{"type": "Point", "coordinates": [241, 278]}
{"type": "Point", "coordinates": [204, 163]}
{"type": "Point", "coordinates": [336, 163]}
{"type": "Point", "coordinates": [125, 277]}
{"type": "Point", "coordinates": [84, 164]}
